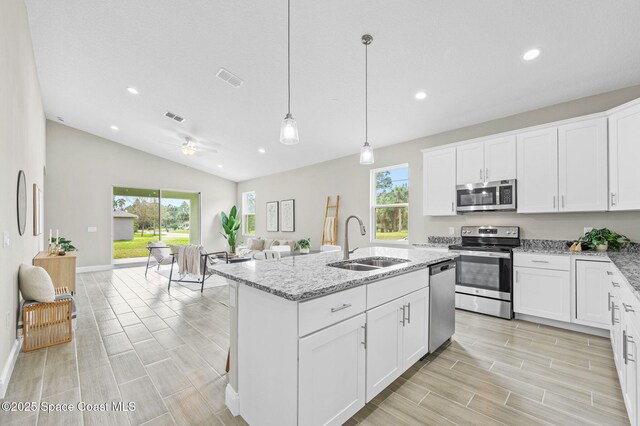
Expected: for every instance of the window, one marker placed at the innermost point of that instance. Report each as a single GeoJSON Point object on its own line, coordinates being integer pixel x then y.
{"type": "Point", "coordinates": [390, 204]}
{"type": "Point", "coordinates": [249, 213]}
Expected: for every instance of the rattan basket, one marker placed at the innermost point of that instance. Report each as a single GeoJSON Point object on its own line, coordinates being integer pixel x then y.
{"type": "Point", "coordinates": [47, 324]}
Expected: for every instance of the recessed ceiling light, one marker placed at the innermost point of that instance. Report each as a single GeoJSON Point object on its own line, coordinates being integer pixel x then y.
{"type": "Point", "coordinates": [114, 127]}
{"type": "Point", "coordinates": [421, 95]}
{"type": "Point", "coordinates": [132, 90]}
{"type": "Point", "coordinates": [262, 150]}
{"type": "Point", "coordinates": [531, 54]}
{"type": "Point", "coordinates": [220, 166]}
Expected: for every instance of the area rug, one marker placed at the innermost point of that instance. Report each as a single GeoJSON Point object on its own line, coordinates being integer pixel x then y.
{"type": "Point", "coordinates": [211, 282]}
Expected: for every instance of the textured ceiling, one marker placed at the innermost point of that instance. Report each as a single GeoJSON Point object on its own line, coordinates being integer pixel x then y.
{"type": "Point", "coordinates": [467, 55]}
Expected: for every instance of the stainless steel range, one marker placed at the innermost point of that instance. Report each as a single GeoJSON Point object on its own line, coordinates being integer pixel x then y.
{"type": "Point", "coordinates": [484, 269]}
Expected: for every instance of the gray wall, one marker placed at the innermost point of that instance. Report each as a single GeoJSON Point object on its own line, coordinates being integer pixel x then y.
{"type": "Point", "coordinates": [82, 169]}
{"type": "Point", "coordinates": [309, 186]}
{"type": "Point", "coordinates": [22, 147]}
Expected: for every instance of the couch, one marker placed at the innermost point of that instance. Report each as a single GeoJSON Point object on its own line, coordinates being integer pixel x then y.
{"type": "Point", "coordinates": [255, 245]}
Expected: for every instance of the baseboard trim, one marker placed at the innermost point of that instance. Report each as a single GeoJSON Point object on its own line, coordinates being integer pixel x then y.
{"type": "Point", "coordinates": [566, 325]}
{"type": "Point", "coordinates": [232, 400]}
{"type": "Point", "coordinates": [8, 366]}
{"type": "Point", "coordinates": [94, 268]}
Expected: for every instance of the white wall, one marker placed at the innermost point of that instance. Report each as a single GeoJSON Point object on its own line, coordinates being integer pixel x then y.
{"type": "Point", "coordinates": [82, 169]}
{"type": "Point", "coordinates": [22, 147]}
{"type": "Point", "coordinates": [309, 186]}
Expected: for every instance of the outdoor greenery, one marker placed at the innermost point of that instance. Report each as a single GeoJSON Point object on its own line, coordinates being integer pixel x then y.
{"type": "Point", "coordinates": [392, 223]}
{"type": "Point", "coordinates": [230, 226]}
{"type": "Point", "coordinates": [138, 246]}
{"type": "Point", "coordinates": [604, 236]}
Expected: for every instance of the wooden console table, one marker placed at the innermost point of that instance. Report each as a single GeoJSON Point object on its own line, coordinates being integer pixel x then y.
{"type": "Point", "coordinates": [62, 269]}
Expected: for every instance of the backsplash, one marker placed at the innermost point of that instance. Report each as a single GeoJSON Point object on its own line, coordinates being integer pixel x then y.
{"type": "Point", "coordinates": [444, 240]}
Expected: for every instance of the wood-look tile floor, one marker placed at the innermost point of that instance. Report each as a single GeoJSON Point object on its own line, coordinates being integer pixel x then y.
{"type": "Point", "coordinates": [166, 352]}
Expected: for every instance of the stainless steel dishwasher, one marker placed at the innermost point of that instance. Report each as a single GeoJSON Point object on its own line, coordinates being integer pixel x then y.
{"type": "Point", "coordinates": [442, 303]}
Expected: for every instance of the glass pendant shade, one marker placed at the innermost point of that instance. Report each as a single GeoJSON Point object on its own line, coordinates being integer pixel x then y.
{"type": "Point", "coordinates": [289, 131]}
{"type": "Point", "coordinates": [366, 154]}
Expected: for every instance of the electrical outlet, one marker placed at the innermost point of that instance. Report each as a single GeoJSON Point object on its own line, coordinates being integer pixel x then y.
{"type": "Point", "coordinates": [452, 230]}
{"type": "Point", "coordinates": [587, 229]}
{"type": "Point", "coordinates": [7, 317]}
{"type": "Point", "coordinates": [92, 229]}
{"type": "Point", "coordinates": [6, 242]}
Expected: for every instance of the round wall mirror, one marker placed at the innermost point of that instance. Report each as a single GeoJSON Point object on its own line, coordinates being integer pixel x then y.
{"type": "Point", "coordinates": [22, 202]}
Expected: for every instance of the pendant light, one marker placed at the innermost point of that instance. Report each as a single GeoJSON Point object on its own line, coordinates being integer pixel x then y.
{"type": "Point", "coordinates": [289, 127]}
{"type": "Point", "coordinates": [366, 152]}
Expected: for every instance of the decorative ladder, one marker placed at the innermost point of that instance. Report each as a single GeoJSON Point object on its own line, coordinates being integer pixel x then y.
{"type": "Point", "coordinates": [333, 207]}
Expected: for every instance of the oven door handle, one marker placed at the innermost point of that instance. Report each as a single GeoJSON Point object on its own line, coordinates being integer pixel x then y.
{"type": "Point", "coordinates": [482, 254]}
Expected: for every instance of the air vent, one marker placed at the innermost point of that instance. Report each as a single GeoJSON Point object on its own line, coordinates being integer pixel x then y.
{"type": "Point", "coordinates": [174, 117]}
{"type": "Point", "coordinates": [229, 78]}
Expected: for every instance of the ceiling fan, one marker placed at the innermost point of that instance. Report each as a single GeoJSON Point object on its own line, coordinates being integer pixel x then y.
{"type": "Point", "coordinates": [190, 147]}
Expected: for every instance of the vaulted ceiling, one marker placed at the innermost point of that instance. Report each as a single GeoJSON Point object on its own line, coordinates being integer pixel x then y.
{"type": "Point", "coordinates": [466, 55]}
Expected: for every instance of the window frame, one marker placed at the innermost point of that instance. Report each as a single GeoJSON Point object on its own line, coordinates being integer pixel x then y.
{"type": "Point", "coordinates": [243, 214]}
{"type": "Point", "coordinates": [373, 206]}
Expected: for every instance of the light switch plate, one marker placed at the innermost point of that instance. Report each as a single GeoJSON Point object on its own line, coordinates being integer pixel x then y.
{"type": "Point", "coordinates": [452, 230]}
{"type": "Point", "coordinates": [6, 242]}
{"type": "Point", "coordinates": [587, 229]}
{"type": "Point", "coordinates": [92, 229]}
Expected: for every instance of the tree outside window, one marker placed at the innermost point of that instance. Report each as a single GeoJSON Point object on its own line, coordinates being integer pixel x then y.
{"type": "Point", "coordinates": [249, 213]}
{"type": "Point", "coordinates": [390, 203]}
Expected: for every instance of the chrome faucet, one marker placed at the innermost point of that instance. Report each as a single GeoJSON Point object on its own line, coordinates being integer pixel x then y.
{"type": "Point", "coordinates": [363, 231]}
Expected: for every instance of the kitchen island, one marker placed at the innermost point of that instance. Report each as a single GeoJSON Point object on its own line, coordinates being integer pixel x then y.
{"type": "Point", "coordinates": [311, 342]}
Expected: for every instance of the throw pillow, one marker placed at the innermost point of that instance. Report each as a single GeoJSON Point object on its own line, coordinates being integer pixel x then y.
{"type": "Point", "coordinates": [35, 284]}
{"type": "Point", "coordinates": [255, 244]}
{"type": "Point", "coordinates": [268, 243]}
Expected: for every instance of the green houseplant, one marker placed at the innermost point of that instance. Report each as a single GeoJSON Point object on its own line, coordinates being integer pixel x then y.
{"type": "Point", "coordinates": [304, 245]}
{"type": "Point", "coordinates": [601, 239]}
{"type": "Point", "coordinates": [230, 226]}
{"type": "Point", "coordinates": [65, 244]}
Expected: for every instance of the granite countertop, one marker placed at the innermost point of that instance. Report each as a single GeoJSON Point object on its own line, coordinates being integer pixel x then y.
{"type": "Point", "coordinates": [552, 247]}
{"type": "Point", "coordinates": [304, 277]}
{"type": "Point", "coordinates": [432, 245]}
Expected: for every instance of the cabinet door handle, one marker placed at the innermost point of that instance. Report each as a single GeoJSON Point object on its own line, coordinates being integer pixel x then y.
{"type": "Point", "coordinates": [609, 301]}
{"type": "Point", "coordinates": [540, 261]}
{"type": "Point", "coordinates": [629, 356]}
{"type": "Point", "coordinates": [364, 341]}
{"type": "Point", "coordinates": [408, 312]}
{"type": "Point", "coordinates": [615, 284]}
{"type": "Point", "coordinates": [627, 308]}
{"type": "Point", "coordinates": [480, 174]}
{"type": "Point", "coordinates": [614, 320]}
{"type": "Point", "coordinates": [403, 315]}
{"type": "Point", "coordinates": [341, 307]}
{"type": "Point", "coordinates": [563, 201]}
{"type": "Point", "coordinates": [554, 201]}
{"type": "Point", "coordinates": [624, 345]}
{"type": "Point", "coordinates": [452, 206]}
{"type": "Point", "coordinates": [613, 198]}
{"type": "Point", "coordinates": [609, 273]}
{"type": "Point", "coordinates": [517, 276]}
{"type": "Point", "coordinates": [486, 174]}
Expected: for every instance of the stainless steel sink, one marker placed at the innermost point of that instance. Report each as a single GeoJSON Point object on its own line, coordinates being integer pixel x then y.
{"type": "Point", "coordinates": [368, 264]}
{"type": "Point", "coordinates": [356, 267]}
{"type": "Point", "coordinates": [380, 263]}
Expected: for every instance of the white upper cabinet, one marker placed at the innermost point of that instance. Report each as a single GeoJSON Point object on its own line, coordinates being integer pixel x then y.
{"type": "Point", "coordinates": [439, 174]}
{"type": "Point", "coordinates": [486, 161]}
{"type": "Point", "coordinates": [582, 166]}
{"type": "Point", "coordinates": [500, 159]}
{"type": "Point", "coordinates": [538, 171]}
{"type": "Point", "coordinates": [624, 152]}
{"type": "Point", "coordinates": [470, 162]}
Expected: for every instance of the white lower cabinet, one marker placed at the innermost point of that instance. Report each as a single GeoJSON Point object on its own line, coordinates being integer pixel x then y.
{"type": "Point", "coordinates": [397, 337]}
{"type": "Point", "coordinates": [592, 289]}
{"type": "Point", "coordinates": [332, 373]}
{"type": "Point", "coordinates": [630, 365]}
{"type": "Point", "coordinates": [544, 293]}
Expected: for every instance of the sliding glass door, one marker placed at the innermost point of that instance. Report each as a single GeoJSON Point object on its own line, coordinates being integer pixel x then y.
{"type": "Point", "coordinates": [141, 216]}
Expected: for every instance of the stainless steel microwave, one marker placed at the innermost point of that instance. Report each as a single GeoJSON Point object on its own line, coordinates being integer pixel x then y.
{"type": "Point", "coordinates": [487, 196]}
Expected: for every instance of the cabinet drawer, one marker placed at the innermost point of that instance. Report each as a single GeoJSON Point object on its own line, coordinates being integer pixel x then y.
{"type": "Point", "coordinates": [326, 310]}
{"type": "Point", "coordinates": [389, 289]}
{"type": "Point", "coordinates": [542, 261]}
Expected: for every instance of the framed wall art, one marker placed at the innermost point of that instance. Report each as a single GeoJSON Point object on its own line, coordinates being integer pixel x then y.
{"type": "Point", "coordinates": [272, 216]}
{"type": "Point", "coordinates": [38, 223]}
{"type": "Point", "coordinates": [288, 215]}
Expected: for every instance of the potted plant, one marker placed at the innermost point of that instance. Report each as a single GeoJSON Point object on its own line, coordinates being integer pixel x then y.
{"type": "Point", "coordinates": [230, 226]}
{"type": "Point", "coordinates": [64, 245]}
{"type": "Point", "coordinates": [603, 239]}
{"type": "Point", "coordinates": [304, 245]}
